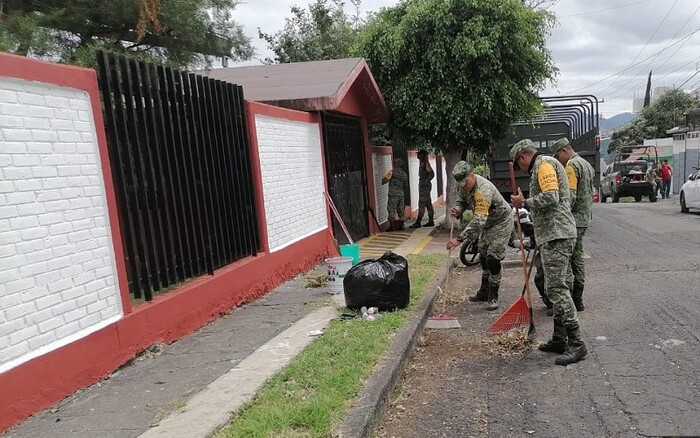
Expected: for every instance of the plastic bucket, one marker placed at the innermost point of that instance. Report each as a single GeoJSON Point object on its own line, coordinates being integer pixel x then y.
{"type": "Point", "coordinates": [337, 268]}
{"type": "Point", "coordinates": [352, 251]}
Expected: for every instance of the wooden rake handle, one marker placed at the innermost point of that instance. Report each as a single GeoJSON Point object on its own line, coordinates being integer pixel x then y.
{"type": "Point", "coordinates": [526, 275]}
{"type": "Point", "coordinates": [337, 216]}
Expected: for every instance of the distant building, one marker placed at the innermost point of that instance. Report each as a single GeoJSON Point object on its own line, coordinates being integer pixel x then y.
{"type": "Point", "coordinates": [637, 104]}
{"type": "Point", "coordinates": [658, 92]}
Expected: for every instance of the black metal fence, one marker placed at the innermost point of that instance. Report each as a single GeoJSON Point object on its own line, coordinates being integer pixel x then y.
{"type": "Point", "coordinates": [345, 169]}
{"type": "Point", "coordinates": [178, 146]}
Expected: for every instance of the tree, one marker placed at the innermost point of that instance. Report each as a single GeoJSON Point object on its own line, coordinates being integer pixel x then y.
{"type": "Point", "coordinates": [653, 121]}
{"type": "Point", "coordinates": [323, 32]}
{"type": "Point", "coordinates": [181, 33]}
{"type": "Point", "coordinates": [456, 74]}
{"type": "Point", "coordinates": [647, 94]}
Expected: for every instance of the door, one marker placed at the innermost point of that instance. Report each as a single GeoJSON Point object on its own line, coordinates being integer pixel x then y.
{"type": "Point", "coordinates": [345, 170]}
{"type": "Point", "coordinates": [693, 198]}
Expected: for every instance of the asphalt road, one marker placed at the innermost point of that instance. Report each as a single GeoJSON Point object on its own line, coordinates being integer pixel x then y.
{"type": "Point", "coordinates": [641, 325]}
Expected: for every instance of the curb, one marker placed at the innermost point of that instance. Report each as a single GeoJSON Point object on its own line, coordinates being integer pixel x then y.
{"type": "Point", "coordinates": [361, 419]}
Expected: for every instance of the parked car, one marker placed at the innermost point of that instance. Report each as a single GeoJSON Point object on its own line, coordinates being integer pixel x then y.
{"type": "Point", "coordinates": [690, 192]}
{"type": "Point", "coordinates": [625, 177]}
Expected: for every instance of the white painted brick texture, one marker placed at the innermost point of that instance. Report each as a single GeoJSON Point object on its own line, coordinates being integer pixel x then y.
{"type": "Point", "coordinates": [57, 282]}
{"type": "Point", "coordinates": [293, 182]}
{"type": "Point", "coordinates": [381, 164]}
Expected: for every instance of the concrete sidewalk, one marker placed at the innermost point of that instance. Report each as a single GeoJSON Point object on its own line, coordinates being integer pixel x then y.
{"type": "Point", "coordinates": [191, 387]}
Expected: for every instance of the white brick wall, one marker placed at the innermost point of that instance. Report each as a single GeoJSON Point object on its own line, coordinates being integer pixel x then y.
{"type": "Point", "coordinates": [57, 282]}
{"type": "Point", "coordinates": [381, 164]}
{"type": "Point", "coordinates": [293, 182]}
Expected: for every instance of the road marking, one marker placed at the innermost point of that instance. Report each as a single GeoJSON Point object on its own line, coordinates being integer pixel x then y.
{"type": "Point", "coordinates": [421, 246]}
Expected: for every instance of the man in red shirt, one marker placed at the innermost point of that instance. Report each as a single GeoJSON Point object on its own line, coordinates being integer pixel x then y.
{"type": "Point", "coordinates": [666, 174]}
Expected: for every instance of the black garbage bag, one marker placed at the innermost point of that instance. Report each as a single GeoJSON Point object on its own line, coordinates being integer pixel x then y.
{"type": "Point", "coordinates": [381, 283]}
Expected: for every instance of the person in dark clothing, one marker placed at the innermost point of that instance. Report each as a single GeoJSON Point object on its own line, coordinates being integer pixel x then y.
{"type": "Point", "coordinates": [425, 176]}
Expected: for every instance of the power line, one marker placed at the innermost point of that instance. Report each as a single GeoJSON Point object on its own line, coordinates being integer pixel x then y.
{"type": "Point", "coordinates": [661, 68]}
{"type": "Point", "coordinates": [691, 77]}
{"type": "Point", "coordinates": [663, 20]}
{"type": "Point", "coordinates": [607, 9]}
{"type": "Point", "coordinates": [634, 65]}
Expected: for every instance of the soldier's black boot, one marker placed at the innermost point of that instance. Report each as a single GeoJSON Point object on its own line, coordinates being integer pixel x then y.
{"type": "Point", "coordinates": [483, 293]}
{"type": "Point", "coordinates": [416, 224]}
{"type": "Point", "coordinates": [577, 296]}
{"type": "Point", "coordinates": [575, 350]}
{"type": "Point", "coordinates": [573, 354]}
{"type": "Point", "coordinates": [430, 223]}
{"type": "Point", "coordinates": [492, 303]}
{"type": "Point", "coordinates": [552, 346]}
{"type": "Point", "coordinates": [558, 342]}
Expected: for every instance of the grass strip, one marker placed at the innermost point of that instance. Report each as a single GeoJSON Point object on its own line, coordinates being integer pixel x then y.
{"type": "Point", "coordinates": [310, 396]}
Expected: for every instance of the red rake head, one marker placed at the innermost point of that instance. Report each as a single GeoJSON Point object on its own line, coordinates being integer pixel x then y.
{"type": "Point", "coordinates": [517, 315]}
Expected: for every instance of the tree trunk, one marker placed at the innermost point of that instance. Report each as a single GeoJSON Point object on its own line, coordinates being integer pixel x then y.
{"type": "Point", "coordinates": [451, 158]}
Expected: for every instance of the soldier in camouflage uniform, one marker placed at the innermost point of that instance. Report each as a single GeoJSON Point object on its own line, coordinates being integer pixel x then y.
{"type": "Point", "coordinates": [398, 181]}
{"type": "Point", "coordinates": [492, 225]}
{"type": "Point", "coordinates": [580, 175]}
{"type": "Point", "coordinates": [653, 177]}
{"type": "Point", "coordinates": [425, 175]}
{"type": "Point", "coordinates": [555, 233]}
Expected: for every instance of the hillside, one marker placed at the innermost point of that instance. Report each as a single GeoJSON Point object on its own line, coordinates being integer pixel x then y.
{"type": "Point", "coordinates": [616, 121]}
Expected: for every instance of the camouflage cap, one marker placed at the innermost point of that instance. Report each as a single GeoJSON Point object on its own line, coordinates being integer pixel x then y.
{"type": "Point", "coordinates": [559, 145]}
{"type": "Point", "coordinates": [461, 171]}
{"type": "Point", "coordinates": [520, 146]}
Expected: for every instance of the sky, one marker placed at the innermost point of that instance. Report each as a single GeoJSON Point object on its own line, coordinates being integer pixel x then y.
{"type": "Point", "coordinates": [601, 47]}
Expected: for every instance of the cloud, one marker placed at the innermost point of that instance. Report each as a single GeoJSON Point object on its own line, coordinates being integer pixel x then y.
{"type": "Point", "coordinates": [601, 47]}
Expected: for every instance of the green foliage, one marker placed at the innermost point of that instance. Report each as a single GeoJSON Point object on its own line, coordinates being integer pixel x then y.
{"type": "Point", "coordinates": [313, 392]}
{"type": "Point", "coordinates": [187, 32]}
{"type": "Point", "coordinates": [323, 32]}
{"type": "Point", "coordinates": [654, 120]}
{"type": "Point", "coordinates": [457, 73]}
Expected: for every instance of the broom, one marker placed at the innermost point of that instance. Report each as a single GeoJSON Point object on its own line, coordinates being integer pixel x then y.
{"type": "Point", "coordinates": [520, 312]}
{"type": "Point", "coordinates": [442, 321]}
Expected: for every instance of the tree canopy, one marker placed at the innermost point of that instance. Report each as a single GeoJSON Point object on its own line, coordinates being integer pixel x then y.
{"type": "Point", "coordinates": [456, 74]}
{"type": "Point", "coordinates": [181, 33]}
{"type": "Point", "coordinates": [323, 32]}
{"type": "Point", "coordinates": [653, 121]}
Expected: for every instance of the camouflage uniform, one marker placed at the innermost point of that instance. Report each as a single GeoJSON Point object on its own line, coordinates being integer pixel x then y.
{"type": "Point", "coordinates": [425, 175]}
{"type": "Point", "coordinates": [398, 180]}
{"type": "Point", "coordinates": [555, 233]}
{"type": "Point", "coordinates": [580, 174]}
{"type": "Point", "coordinates": [492, 225]}
{"type": "Point", "coordinates": [653, 178]}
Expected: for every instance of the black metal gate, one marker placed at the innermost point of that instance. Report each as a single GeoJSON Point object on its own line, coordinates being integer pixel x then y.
{"type": "Point", "coordinates": [345, 170]}
{"type": "Point", "coordinates": [178, 146]}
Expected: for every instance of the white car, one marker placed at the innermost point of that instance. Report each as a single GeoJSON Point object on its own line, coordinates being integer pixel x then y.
{"type": "Point", "coordinates": [690, 192]}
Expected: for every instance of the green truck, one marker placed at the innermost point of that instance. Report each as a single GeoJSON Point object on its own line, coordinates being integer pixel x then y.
{"type": "Point", "coordinates": [574, 117]}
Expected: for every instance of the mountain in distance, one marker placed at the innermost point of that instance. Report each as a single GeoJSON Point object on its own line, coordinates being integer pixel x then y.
{"type": "Point", "coordinates": [616, 121]}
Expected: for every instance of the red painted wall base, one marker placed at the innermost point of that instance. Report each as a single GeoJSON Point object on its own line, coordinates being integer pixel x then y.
{"type": "Point", "coordinates": [44, 381]}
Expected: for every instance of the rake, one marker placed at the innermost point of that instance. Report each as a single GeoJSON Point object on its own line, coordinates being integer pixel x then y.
{"type": "Point", "coordinates": [520, 312]}
{"type": "Point", "coordinates": [442, 321]}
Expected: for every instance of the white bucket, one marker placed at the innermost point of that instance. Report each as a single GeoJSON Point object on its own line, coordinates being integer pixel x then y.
{"type": "Point", "coordinates": [337, 268]}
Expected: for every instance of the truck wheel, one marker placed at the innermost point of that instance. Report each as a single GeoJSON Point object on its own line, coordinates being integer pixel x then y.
{"type": "Point", "coordinates": [637, 198]}
{"type": "Point", "coordinates": [684, 209]}
{"type": "Point", "coordinates": [652, 197]}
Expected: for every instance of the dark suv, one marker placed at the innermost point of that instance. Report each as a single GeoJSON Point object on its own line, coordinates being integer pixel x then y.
{"type": "Point", "coordinates": [626, 178]}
